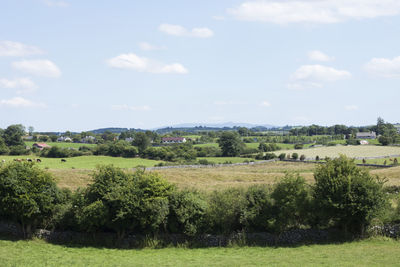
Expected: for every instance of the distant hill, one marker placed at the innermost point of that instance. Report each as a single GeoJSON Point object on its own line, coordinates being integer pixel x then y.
{"type": "Point", "coordinates": [221, 125]}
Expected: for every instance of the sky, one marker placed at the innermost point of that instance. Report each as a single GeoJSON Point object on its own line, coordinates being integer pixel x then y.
{"type": "Point", "coordinates": [81, 65]}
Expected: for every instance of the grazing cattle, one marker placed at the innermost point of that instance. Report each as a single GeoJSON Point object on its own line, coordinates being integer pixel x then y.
{"type": "Point", "coordinates": [3, 161]}
{"type": "Point", "coordinates": [19, 160]}
{"type": "Point", "coordinates": [63, 160]}
{"type": "Point", "coordinates": [38, 160]}
{"type": "Point", "coordinates": [30, 160]}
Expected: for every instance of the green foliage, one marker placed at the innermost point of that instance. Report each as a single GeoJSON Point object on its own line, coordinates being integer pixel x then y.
{"type": "Point", "coordinates": [282, 156]}
{"type": "Point", "coordinates": [298, 146]}
{"type": "Point", "coordinates": [142, 141]}
{"type": "Point", "coordinates": [302, 157]}
{"type": "Point", "coordinates": [230, 144]}
{"type": "Point", "coordinates": [295, 156]}
{"type": "Point", "coordinates": [3, 147]}
{"type": "Point", "coordinates": [257, 213]}
{"type": "Point", "coordinates": [224, 213]}
{"type": "Point", "coordinates": [187, 211]}
{"type": "Point", "coordinates": [28, 195]}
{"type": "Point", "coordinates": [124, 201]}
{"type": "Point", "coordinates": [292, 200]}
{"type": "Point", "coordinates": [13, 135]}
{"type": "Point", "coordinates": [346, 195]}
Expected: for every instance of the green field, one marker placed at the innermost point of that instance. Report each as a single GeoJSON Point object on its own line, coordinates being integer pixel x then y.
{"type": "Point", "coordinates": [372, 252]}
{"type": "Point", "coordinates": [88, 162]}
{"type": "Point", "coordinates": [61, 144]}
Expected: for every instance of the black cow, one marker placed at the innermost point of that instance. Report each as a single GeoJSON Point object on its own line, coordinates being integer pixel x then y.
{"type": "Point", "coordinates": [38, 160]}
{"type": "Point", "coordinates": [63, 160]}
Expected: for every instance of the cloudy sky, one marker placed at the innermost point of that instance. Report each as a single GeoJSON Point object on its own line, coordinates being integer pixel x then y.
{"type": "Point", "coordinates": [80, 65]}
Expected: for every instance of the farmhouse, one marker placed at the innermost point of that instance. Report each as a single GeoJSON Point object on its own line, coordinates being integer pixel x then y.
{"type": "Point", "coordinates": [40, 145]}
{"type": "Point", "coordinates": [173, 140]}
{"type": "Point", "coordinates": [64, 139]}
{"type": "Point", "coordinates": [88, 139]}
{"type": "Point", "coordinates": [368, 135]}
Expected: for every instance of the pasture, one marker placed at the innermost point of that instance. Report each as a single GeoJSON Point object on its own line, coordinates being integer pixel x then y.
{"type": "Point", "coordinates": [88, 162]}
{"type": "Point", "coordinates": [61, 144]}
{"type": "Point", "coordinates": [350, 151]}
{"type": "Point", "coordinates": [370, 252]}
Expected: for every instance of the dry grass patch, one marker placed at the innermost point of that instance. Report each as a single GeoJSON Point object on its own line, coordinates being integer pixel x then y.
{"type": "Point", "coordinates": [70, 178]}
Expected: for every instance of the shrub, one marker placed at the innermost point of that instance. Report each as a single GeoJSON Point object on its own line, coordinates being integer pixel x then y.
{"type": "Point", "coordinates": [269, 156]}
{"type": "Point", "coordinates": [282, 156]}
{"type": "Point", "coordinates": [298, 146]}
{"type": "Point", "coordinates": [125, 202]}
{"type": "Point", "coordinates": [18, 150]}
{"type": "Point", "coordinates": [292, 200]}
{"type": "Point", "coordinates": [257, 213]}
{"type": "Point", "coordinates": [186, 212]}
{"type": "Point", "coordinates": [347, 196]}
{"type": "Point", "coordinates": [225, 211]}
{"type": "Point", "coordinates": [395, 162]}
{"type": "Point", "coordinates": [295, 156]}
{"type": "Point", "coordinates": [317, 158]}
{"type": "Point", "coordinates": [302, 157]}
{"type": "Point", "coordinates": [28, 195]}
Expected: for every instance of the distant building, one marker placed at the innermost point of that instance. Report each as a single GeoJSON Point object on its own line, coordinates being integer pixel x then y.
{"type": "Point", "coordinates": [88, 139]}
{"type": "Point", "coordinates": [40, 146]}
{"type": "Point", "coordinates": [173, 140]}
{"type": "Point", "coordinates": [64, 139]}
{"type": "Point", "coordinates": [368, 135]}
{"type": "Point", "coordinates": [129, 139]}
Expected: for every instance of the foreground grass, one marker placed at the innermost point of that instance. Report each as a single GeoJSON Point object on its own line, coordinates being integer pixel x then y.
{"type": "Point", "coordinates": [372, 252]}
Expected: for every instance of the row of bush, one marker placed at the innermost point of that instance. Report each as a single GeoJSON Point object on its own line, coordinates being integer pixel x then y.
{"type": "Point", "coordinates": [343, 196]}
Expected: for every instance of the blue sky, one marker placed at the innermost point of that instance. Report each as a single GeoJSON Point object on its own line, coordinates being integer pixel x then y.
{"type": "Point", "coordinates": [80, 65]}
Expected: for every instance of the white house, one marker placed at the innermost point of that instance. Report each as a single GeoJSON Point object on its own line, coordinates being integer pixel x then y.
{"type": "Point", "coordinates": [173, 140]}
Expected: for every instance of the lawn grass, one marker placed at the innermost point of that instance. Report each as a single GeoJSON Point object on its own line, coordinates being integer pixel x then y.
{"type": "Point", "coordinates": [371, 252]}
{"type": "Point", "coordinates": [61, 144]}
{"type": "Point", "coordinates": [88, 162]}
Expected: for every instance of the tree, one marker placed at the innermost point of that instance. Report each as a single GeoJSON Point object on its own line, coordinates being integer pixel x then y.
{"type": "Point", "coordinates": [30, 130]}
{"type": "Point", "coordinates": [13, 135]}
{"type": "Point", "coordinates": [28, 195]}
{"type": "Point", "coordinates": [346, 195]}
{"type": "Point", "coordinates": [230, 144]}
{"type": "Point", "coordinates": [142, 141]}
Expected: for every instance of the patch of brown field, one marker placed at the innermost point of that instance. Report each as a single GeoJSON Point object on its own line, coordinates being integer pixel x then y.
{"type": "Point", "coordinates": [392, 174]}
{"type": "Point", "coordinates": [235, 176]}
{"type": "Point", "coordinates": [221, 177]}
{"type": "Point", "coordinates": [71, 178]}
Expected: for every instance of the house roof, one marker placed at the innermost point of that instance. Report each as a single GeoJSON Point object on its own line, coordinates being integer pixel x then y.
{"type": "Point", "coordinates": [366, 134]}
{"type": "Point", "coordinates": [41, 144]}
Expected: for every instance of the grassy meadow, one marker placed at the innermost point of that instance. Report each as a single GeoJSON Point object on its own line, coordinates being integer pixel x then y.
{"type": "Point", "coordinates": [61, 144]}
{"type": "Point", "coordinates": [88, 162]}
{"type": "Point", "coordinates": [371, 252]}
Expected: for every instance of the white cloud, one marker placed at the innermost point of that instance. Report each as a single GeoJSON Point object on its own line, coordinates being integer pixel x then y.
{"type": "Point", "coordinates": [218, 17]}
{"type": "Point", "coordinates": [265, 104]}
{"type": "Point", "coordinates": [384, 67]}
{"type": "Point", "coordinates": [15, 49]}
{"type": "Point", "coordinates": [316, 55]}
{"type": "Point", "coordinates": [41, 67]}
{"type": "Point", "coordinates": [23, 84]}
{"type": "Point", "coordinates": [314, 76]}
{"type": "Point", "coordinates": [54, 3]}
{"type": "Point", "coordinates": [142, 64]}
{"type": "Point", "coordinates": [149, 47]}
{"type": "Point", "coordinates": [351, 107]}
{"type": "Point", "coordinates": [19, 102]}
{"type": "Point", "coordinates": [132, 108]}
{"type": "Point", "coordinates": [178, 30]}
{"type": "Point", "coordinates": [314, 11]}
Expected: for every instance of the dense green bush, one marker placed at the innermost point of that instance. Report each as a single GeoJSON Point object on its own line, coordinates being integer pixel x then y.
{"type": "Point", "coordinates": [28, 195]}
{"type": "Point", "coordinates": [298, 146]}
{"type": "Point", "coordinates": [225, 208]}
{"type": "Point", "coordinates": [187, 212]}
{"type": "Point", "coordinates": [292, 201]}
{"type": "Point", "coordinates": [257, 211]}
{"type": "Point", "coordinates": [347, 196]}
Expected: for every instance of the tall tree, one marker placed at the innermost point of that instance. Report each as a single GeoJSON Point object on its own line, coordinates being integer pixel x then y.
{"type": "Point", "coordinates": [230, 144]}
{"type": "Point", "coordinates": [13, 135]}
